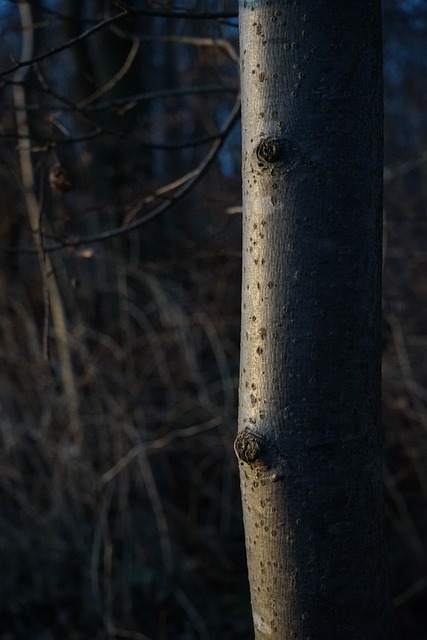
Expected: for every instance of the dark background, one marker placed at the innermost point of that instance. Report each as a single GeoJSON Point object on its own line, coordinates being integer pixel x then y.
{"type": "Point", "coordinates": [119, 502]}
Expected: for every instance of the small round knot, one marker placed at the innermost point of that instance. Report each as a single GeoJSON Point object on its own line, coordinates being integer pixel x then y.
{"type": "Point", "coordinates": [268, 151]}
{"type": "Point", "coordinates": [246, 447]}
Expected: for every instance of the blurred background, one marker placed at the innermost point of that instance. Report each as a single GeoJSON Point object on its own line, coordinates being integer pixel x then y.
{"type": "Point", "coordinates": [119, 504]}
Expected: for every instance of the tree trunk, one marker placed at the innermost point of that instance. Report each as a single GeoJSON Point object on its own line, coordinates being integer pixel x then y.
{"type": "Point", "coordinates": [309, 442]}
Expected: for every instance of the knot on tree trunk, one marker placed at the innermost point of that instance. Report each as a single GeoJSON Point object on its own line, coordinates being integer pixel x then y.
{"type": "Point", "coordinates": [260, 453]}
{"type": "Point", "coordinates": [247, 446]}
{"type": "Point", "coordinates": [279, 153]}
{"type": "Point", "coordinates": [268, 151]}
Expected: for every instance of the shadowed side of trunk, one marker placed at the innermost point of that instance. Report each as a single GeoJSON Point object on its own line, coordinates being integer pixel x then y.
{"type": "Point", "coordinates": [309, 444]}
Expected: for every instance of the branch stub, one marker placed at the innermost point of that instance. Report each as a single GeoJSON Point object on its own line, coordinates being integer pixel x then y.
{"type": "Point", "coordinates": [268, 151]}
{"type": "Point", "coordinates": [246, 447]}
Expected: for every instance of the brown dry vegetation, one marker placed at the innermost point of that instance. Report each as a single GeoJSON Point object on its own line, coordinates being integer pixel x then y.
{"type": "Point", "coordinates": [129, 517]}
{"type": "Point", "coordinates": [404, 401]}
{"type": "Point", "coordinates": [119, 504]}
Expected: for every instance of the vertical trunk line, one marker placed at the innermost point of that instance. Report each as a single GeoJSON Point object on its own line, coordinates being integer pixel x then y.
{"type": "Point", "coordinates": [309, 445]}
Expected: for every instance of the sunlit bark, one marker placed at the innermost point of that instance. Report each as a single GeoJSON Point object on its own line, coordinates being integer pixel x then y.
{"type": "Point", "coordinates": [309, 443]}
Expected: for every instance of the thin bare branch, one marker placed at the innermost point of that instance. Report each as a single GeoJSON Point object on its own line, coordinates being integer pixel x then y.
{"type": "Point", "coordinates": [116, 632]}
{"type": "Point", "coordinates": [159, 443]}
{"type": "Point", "coordinates": [98, 131]}
{"type": "Point", "coordinates": [114, 80]}
{"type": "Point", "coordinates": [52, 298]}
{"type": "Point", "coordinates": [183, 14]}
{"type": "Point", "coordinates": [27, 61]}
{"type": "Point", "coordinates": [127, 11]}
{"type": "Point", "coordinates": [221, 44]}
{"type": "Point", "coordinates": [218, 43]}
{"type": "Point", "coordinates": [117, 102]}
{"type": "Point", "coordinates": [194, 177]}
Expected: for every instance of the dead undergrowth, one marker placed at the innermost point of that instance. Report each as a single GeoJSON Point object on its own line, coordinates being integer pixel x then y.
{"type": "Point", "coordinates": [123, 520]}
{"type": "Point", "coordinates": [405, 400]}
{"type": "Point", "coordinates": [129, 517]}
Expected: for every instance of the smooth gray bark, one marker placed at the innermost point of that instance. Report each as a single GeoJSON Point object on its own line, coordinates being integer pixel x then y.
{"type": "Point", "coordinates": [309, 443]}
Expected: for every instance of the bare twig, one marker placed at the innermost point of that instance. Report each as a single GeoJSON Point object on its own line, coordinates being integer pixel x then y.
{"type": "Point", "coordinates": [416, 392]}
{"type": "Point", "coordinates": [159, 443]}
{"type": "Point", "coordinates": [28, 59]}
{"type": "Point", "coordinates": [65, 105]}
{"type": "Point", "coordinates": [221, 44]}
{"type": "Point", "coordinates": [193, 178]}
{"type": "Point", "coordinates": [412, 591]}
{"type": "Point", "coordinates": [177, 14]}
{"type": "Point", "coordinates": [115, 632]}
{"type": "Point", "coordinates": [114, 80]}
{"type": "Point", "coordinates": [52, 297]}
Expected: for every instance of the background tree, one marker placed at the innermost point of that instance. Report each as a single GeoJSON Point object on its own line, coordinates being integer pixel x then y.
{"type": "Point", "coordinates": [309, 441]}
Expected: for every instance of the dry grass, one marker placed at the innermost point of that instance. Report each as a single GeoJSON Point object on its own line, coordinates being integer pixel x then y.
{"type": "Point", "coordinates": [134, 523]}
{"type": "Point", "coordinates": [405, 402]}
{"type": "Point", "coordinates": [125, 522]}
